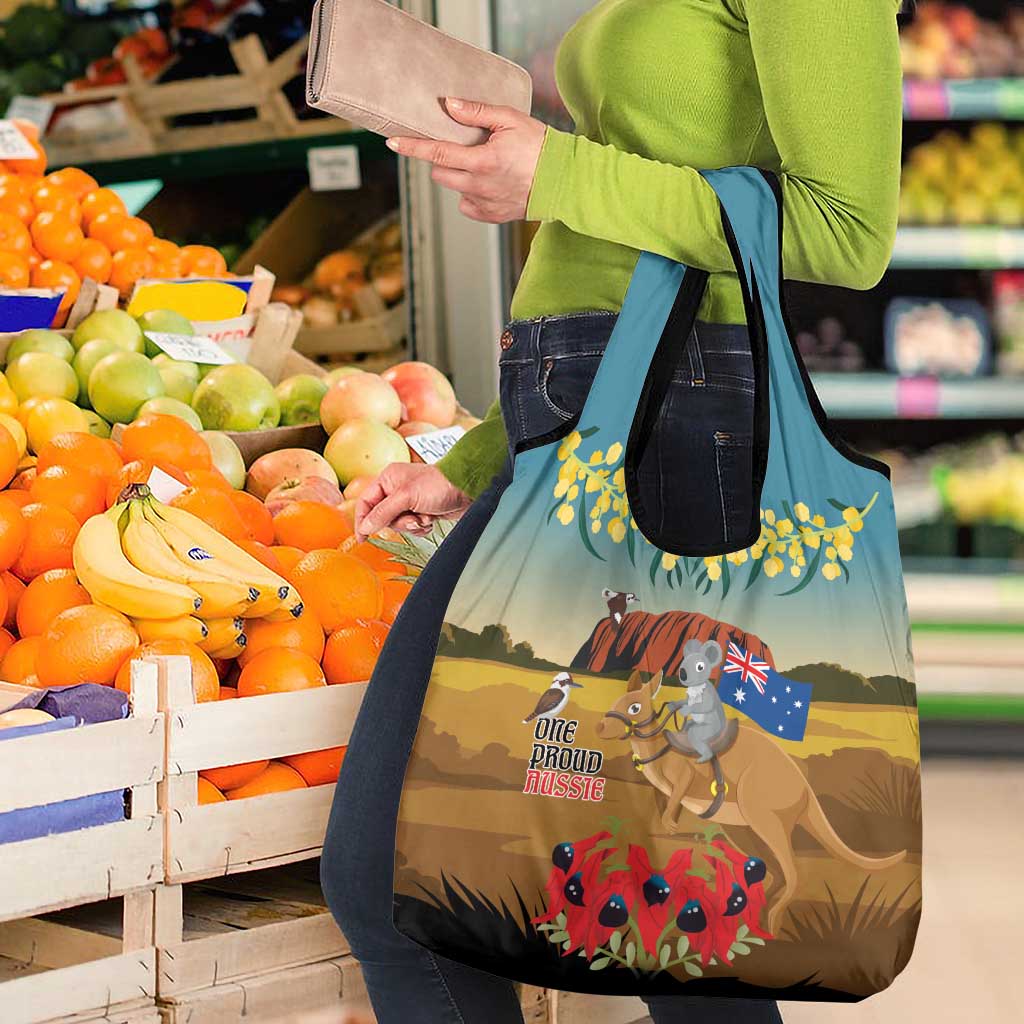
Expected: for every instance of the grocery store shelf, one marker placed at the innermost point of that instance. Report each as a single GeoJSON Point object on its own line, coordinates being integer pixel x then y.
{"type": "Point", "coordinates": [865, 396]}
{"type": "Point", "coordinates": [221, 161]}
{"type": "Point", "coordinates": [963, 99]}
{"type": "Point", "coordinates": [985, 247]}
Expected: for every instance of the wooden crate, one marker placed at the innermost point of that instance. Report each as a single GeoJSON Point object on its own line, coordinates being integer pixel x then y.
{"type": "Point", "coordinates": [138, 120]}
{"type": "Point", "coordinates": [239, 835]}
{"type": "Point", "coordinates": [573, 1008]}
{"type": "Point", "coordinates": [53, 968]}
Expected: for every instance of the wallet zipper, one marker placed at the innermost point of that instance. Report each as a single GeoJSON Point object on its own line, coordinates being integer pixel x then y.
{"type": "Point", "coordinates": [314, 58]}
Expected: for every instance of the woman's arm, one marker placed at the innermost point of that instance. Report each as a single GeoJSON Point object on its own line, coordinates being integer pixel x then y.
{"type": "Point", "coordinates": [476, 457]}
{"type": "Point", "coordinates": [831, 85]}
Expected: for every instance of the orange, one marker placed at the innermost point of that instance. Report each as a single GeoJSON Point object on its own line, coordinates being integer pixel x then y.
{"type": "Point", "coordinates": [227, 693]}
{"type": "Point", "coordinates": [318, 767]}
{"type": "Point", "coordinates": [207, 478]}
{"type": "Point", "coordinates": [14, 236]}
{"type": "Point", "coordinates": [46, 597]}
{"type": "Point", "coordinates": [205, 681]}
{"type": "Point", "coordinates": [9, 457]}
{"type": "Point", "coordinates": [13, 532]}
{"type": "Point", "coordinates": [59, 276]}
{"type": "Point", "coordinates": [3, 602]}
{"type": "Point", "coordinates": [23, 481]}
{"type": "Point", "coordinates": [209, 793]}
{"type": "Point", "coordinates": [20, 498]}
{"type": "Point", "coordinates": [167, 261]}
{"type": "Point", "coordinates": [263, 554]}
{"type": "Point", "coordinates": [119, 231]}
{"type": "Point", "coordinates": [301, 634]}
{"type": "Point", "coordinates": [377, 558]}
{"type": "Point", "coordinates": [73, 180]}
{"type": "Point", "coordinates": [279, 670]}
{"type": "Point", "coordinates": [57, 236]}
{"type": "Point", "coordinates": [34, 166]}
{"type": "Point", "coordinates": [72, 487]}
{"type": "Point", "coordinates": [351, 653]}
{"type": "Point", "coordinates": [51, 534]}
{"type": "Point", "coordinates": [49, 198]}
{"type": "Point", "coordinates": [98, 455]}
{"type": "Point", "coordinates": [87, 644]}
{"type": "Point", "coordinates": [126, 267]}
{"type": "Point", "coordinates": [17, 203]}
{"type": "Point", "coordinates": [310, 525]}
{"type": "Point", "coordinates": [275, 778]}
{"type": "Point", "coordinates": [214, 507]}
{"type": "Point", "coordinates": [19, 661]}
{"type": "Point", "coordinates": [14, 271]}
{"type": "Point", "coordinates": [202, 261]}
{"type": "Point", "coordinates": [287, 557]}
{"type": "Point", "coordinates": [336, 587]}
{"type": "Point", "coordinates": [100, 201]}
{"type": "Point", "coordinates": [6, 642]}
{"type": "Point", "coordinates": [231, 776]}
{"type": "Point", "coordinates": [395, 593]}
{"type": "Point", "coordinates": [14, 589]}
{"type": "Point", "coordinates": [258, 520]}
{"type": "Point", "coordinates": [93, 261]}
{"type": "Point", "coordinates": [161, 438]}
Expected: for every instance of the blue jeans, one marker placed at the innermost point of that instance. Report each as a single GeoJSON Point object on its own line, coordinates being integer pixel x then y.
{"type": "Point", "coordinates": [547, 364]}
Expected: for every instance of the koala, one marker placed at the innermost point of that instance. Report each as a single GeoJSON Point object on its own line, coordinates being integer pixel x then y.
{"type": "Point", "coordinates": [705, 716]}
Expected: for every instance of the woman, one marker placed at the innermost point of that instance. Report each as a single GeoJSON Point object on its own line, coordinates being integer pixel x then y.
{"type": "Point", "coordinates": [657, 89]}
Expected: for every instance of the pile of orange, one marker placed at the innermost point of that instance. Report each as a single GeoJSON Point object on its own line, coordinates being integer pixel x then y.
{"type": "Point", "coordinates": [58, 229]}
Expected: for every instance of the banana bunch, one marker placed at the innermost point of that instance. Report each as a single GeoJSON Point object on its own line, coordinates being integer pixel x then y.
{"type": "Point", "coordinates": [177, 576]}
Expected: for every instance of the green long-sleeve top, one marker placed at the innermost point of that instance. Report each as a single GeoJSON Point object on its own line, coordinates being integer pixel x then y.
{"type": "Point", "coordinates": [660, 88]}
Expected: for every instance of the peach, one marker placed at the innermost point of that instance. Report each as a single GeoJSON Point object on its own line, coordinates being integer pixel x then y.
{"type": "Point", "coordinates": [288, 464]}
{"type": "Point", "coordinates": [362, 396]}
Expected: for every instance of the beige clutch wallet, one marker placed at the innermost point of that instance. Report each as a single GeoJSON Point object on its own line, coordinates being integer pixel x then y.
{"type": "Point", "coordinates": [383, 69]}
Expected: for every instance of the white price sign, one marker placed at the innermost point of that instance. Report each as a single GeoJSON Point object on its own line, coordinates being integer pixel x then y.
{"type": "Point", "coordinates": [191, 348]}
{"type": "Point", "coordinates": [435, 445]}
{"type": "Point", "coordinates": [14, 145]}
{"type": "Point", "coordinates": [333, 167]}
{"type": "Point", "coordinates": [31, 108]}
{"type": "Point", "coordinates": [164, 487]}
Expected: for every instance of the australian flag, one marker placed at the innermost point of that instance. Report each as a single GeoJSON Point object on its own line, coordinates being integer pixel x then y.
{"type": "Point", "coordinates": [779, 705]}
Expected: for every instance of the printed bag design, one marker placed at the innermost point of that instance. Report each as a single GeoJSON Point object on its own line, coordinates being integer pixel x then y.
{"type": "Point", "coordinates": [642, 768]}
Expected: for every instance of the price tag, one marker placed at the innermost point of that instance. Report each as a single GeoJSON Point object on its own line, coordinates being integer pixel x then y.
{"type": "Point", "coordinates": [433, 446]}
{"type": "Point", "coordinates": [333, 167]}
{"type": "Point", "coordinates": [14, 145]}
{"type": "Point", "coordinates": [917, 397]}
{"type": "Point", "coordinates": [36, 109]}
{"type": "Point", "coordinates": [164, 487]}
{"type": "Point", "coordinates": [192, 348]}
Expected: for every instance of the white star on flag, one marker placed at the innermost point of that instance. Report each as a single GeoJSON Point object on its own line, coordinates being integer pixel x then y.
{"type": "Point", "coordinates": [739, 696]}
{"type": "Point", "coordinates": [780, 728]}
{"type": "Point", "coordinates": [775, 700]}
{"type": "Point", "coordinates": [798, 703]}
{"type": "Point", "coordinates": [789, 689]}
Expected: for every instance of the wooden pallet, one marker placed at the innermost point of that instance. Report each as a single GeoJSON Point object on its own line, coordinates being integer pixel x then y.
{"type": "Point", "coordinates": [239, 835]}
{"type": "Point", "coordinates": [138, 120]}
{"type": "Point", "coordinates": [52, 970]}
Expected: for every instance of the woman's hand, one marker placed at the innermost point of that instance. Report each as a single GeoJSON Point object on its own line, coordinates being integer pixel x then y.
{"type": "Point", "coordinates": [495, 176]}
{"type": "Point", "coordinates": [408, 497]}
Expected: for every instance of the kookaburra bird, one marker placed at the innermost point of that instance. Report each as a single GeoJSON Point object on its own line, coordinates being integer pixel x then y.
{"type": "Point", "coordinates": [617, 602]}
{"type": "Point", "coordinates": [552, 701]}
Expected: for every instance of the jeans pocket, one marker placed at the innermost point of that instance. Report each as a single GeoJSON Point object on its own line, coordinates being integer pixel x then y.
{"type": "Point", "coordinates": [565, 381]}
{"type": "Point", "coordinates": [733, 469]}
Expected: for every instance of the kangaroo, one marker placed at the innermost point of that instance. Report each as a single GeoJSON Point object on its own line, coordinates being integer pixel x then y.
{"type": "Point", "coordinates": [766, 791]}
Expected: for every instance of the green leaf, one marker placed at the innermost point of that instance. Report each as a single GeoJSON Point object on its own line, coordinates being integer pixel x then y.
{"type": "Point", "coordinates": [567, 945]}
{"type": "Point", "coordinates": [788, 511]}
{"type": "Point", "coordinates": [753, 940]}
{"type": "Point", "coordinates": [682, 947]}
{"type": "Point", "coordinates": [690, 564]}
{"type": "Point", "coordinates": [561, 920]}
{"type": "Point", "coordinates": [615, 941]}
{"type": "Point", "coordinates": [755, 571]}
{"type": "Point", "coordinates": [558, 936]}
{"type": "Point", "coordinates": [554, 509]}
{"type": "Point", "coordinates": [838, 504]}
{"type": "Point", "coordinates": [725, 576]}
{"type": "Point", "coordinates": [600, 963]}
{"type": "Point", "coordinates": [589, 432]}
{"type": "Point", "coordinates": [664, 955]}
{"type": "Point", "coordinates": [741, 948]}
{"type": "Point", "coordinates": [655, 565]}
{"type": "Point", "coordinates": [701, 578]}
{"type": "Point", "coordinates": [630, 953]}
{"type": "Point", "coordinates": [546, 928]}
{"type": "Point", "coordinates": [679, 574]}
{"type": "Point", "coordinates": [846, 572]}
{"type": "Point", "coordinates": [671, 581]}
{"type": "Point", "coordinates": [809, 571]}
{"type": "Point", "coordinates": [693, 970]}
{"type": "Point", "coordinates": [630, 545]}
{"type": "Point", "coordinates": [581, 517]}
{"type": "Point", "coordinates": [741, 932]}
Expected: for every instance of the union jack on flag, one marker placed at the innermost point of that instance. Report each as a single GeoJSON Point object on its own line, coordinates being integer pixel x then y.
{"type": "Point", "coordinates": [749, 668]}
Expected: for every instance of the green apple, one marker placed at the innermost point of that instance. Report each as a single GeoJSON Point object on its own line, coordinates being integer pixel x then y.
{"type": "Point", "coordinates": [40, 340]}
{"type": "Point", "coordinates": [171, 407]}
{"type": "Point", "coordinates": [226, 457]}
{"type": "Point", "coordinates": [86, 358]}
{"type": "Point", "coordinates": [42, 374]}
{"type": "Point", "coordinates": [120, 383]}
{"type": "Point", "coordinates": [98, 426]}
{"type": "Point", "coordinates": [300, 398]}
{"type": "Point", "coordinates": [115, 324]}
{"type": "Point", "coordinates": [163, 321]}
{"type": "Point", "coordinates": [236, 397]}
{"type": "Point", "coordinates": [180, 377]}
{"type": "Point", "coordinates": [363, 447]}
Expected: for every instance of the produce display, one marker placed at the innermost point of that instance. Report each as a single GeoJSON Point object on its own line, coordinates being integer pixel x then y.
{"type": "Point", "coordinates": [948, 337]}
{"type": "Point", "coordinates": [972, 179]}
{"type": "Point", "coordinates": [828, 348]}
{"type": "Point", "coordinates": [953, 41]}
{"type": "Point", "coordinates": [351, 283]}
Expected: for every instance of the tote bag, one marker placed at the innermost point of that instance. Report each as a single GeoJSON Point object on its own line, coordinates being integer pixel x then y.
{"type": "Point", "coordinates": [646, 769]}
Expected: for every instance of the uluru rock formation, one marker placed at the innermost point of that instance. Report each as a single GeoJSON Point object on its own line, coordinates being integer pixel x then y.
{"type": "Point", "coordinates": [648, 642]}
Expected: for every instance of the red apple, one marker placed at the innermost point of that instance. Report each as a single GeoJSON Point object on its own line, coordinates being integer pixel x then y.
{"type": "Point", "coordinates": [427, 393]}
{"type": "Point", "coordinates": [412, 427]}
{"type": "Point", "coordinates": [288, 464]}
{"type": "Point", "coordinates": [356, 486]}
{"type": "Point", "coordinates": [311, 488]}
{"type": "Point", "coordinates": [362, 396]}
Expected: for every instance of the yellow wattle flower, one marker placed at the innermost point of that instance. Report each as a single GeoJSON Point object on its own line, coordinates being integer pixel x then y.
{"type": "Point", "coordinates": [565, 514]}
